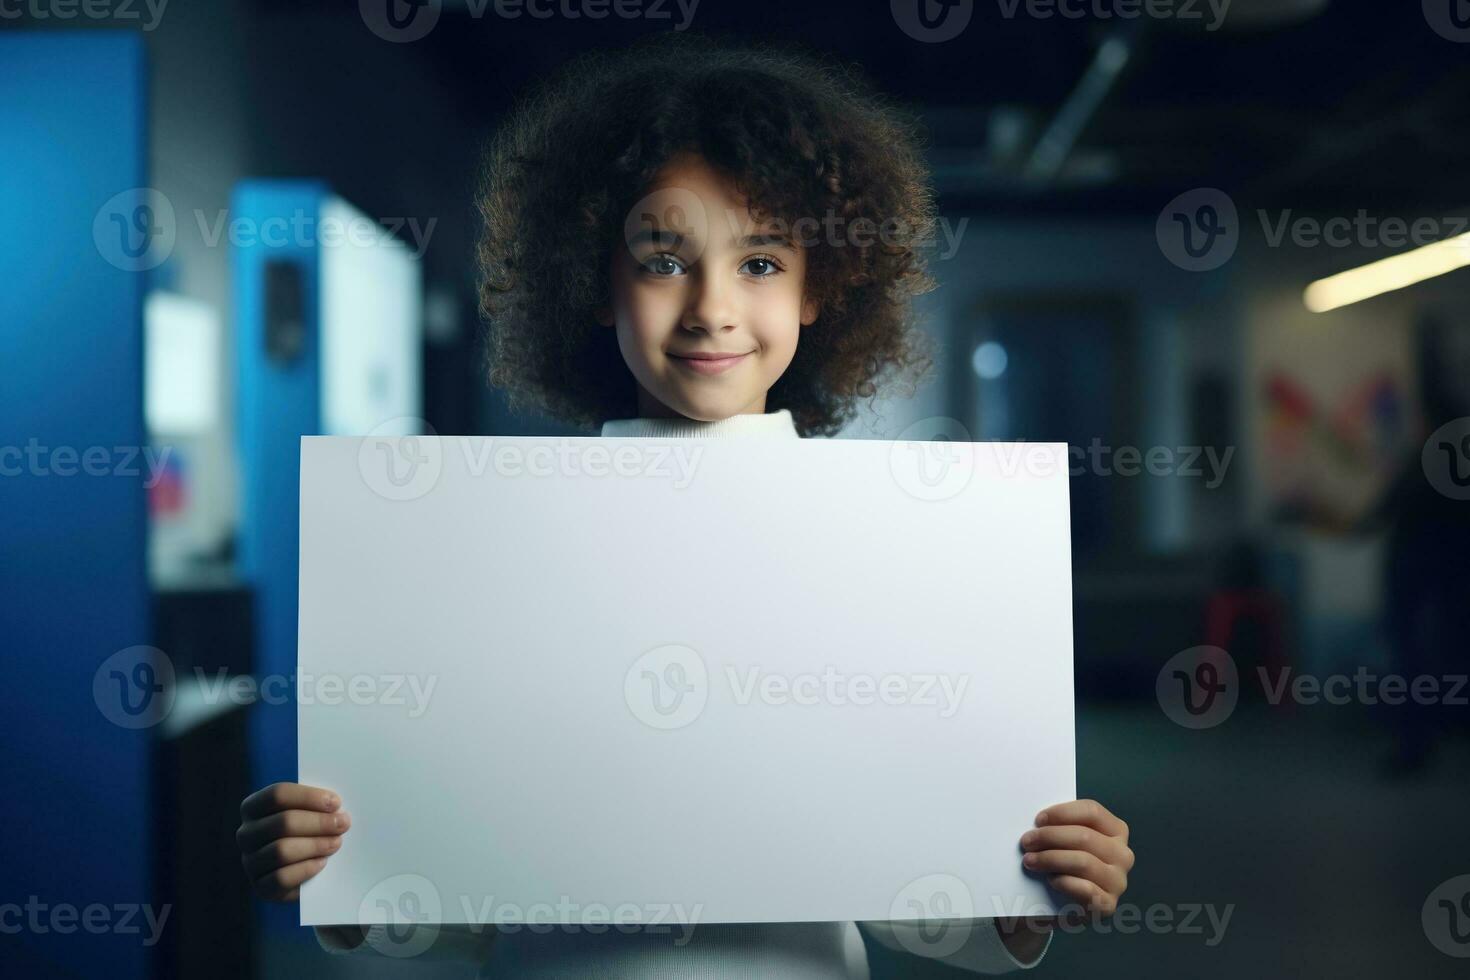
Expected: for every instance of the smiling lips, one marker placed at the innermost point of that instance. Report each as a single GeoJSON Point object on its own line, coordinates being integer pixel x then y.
{"type": "Point", "coordinates": [709, 363]}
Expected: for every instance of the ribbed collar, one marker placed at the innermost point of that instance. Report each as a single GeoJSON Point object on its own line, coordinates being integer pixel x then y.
{"type": "Point", "coordinates": [771, 425]}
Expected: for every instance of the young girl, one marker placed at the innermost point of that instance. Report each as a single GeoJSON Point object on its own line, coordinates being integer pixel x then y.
{"type": "Point", "coordinates": [701, 241]}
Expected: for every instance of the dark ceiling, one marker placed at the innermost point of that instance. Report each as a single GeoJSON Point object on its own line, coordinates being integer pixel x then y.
{"type": "Point", "coordinates": [1339, 106]}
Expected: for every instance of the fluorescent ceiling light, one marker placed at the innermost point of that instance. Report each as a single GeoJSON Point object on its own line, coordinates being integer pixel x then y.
{"type": "Point", "coordinates": [1388, 274]}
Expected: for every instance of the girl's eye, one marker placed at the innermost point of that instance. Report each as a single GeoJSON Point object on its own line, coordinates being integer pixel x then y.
{"type": "Point", "coordinates": [765, 266]}
{"type": "Point", "coordinates": [663, 265]}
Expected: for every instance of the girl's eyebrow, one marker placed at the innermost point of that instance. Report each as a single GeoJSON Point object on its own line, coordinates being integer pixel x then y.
{"type": "Point", "coordinates": [671, 239]}
{"type": "Point", "coordinates": [769, 240]}
{"type": "Point", "coordinates": [656, 236]}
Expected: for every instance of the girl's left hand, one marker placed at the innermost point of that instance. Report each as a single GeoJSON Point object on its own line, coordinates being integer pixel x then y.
{"type": "Point", "coordinates": [1084, 849]}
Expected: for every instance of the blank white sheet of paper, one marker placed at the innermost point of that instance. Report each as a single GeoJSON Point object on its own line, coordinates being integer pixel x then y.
{"type": "Point", "coordinates": [746, 680]}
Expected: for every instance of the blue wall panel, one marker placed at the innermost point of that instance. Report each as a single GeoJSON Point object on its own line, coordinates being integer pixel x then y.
{"type": "Point", "coordinates": [74, 818]}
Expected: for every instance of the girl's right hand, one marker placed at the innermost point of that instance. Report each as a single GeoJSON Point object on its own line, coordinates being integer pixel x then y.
{"type": "Point", "coordinates": [287, 832]}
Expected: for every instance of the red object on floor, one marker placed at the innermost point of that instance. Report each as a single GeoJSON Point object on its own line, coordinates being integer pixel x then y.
{"type": "Point", "coordinates": [1227, 609]}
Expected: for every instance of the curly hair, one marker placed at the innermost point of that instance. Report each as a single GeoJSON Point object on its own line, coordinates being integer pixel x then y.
{"type": "Point", "coordinates": [799, 137]}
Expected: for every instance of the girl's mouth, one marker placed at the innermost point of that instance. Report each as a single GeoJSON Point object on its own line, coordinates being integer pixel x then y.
{"type": "Point", "coordinates": [708, 363]}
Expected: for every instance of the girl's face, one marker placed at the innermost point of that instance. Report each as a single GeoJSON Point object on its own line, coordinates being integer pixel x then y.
{"type": "Point", "coordinates": [707, 302]}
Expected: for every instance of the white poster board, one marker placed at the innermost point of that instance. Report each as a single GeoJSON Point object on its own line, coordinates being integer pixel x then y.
{"type": "Point", "coordinates": [746, 680]}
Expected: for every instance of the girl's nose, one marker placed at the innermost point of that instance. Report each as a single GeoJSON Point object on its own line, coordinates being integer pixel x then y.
{"type": "Point", "coordinates": [710, 309]}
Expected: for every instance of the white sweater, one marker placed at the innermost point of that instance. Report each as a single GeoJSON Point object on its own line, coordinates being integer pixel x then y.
{"type": "Point", "coordinates": [743, 951]}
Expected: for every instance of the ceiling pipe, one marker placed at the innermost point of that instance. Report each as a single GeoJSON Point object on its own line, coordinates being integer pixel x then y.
{"type": "Point", "coordinates": [1056, 143]}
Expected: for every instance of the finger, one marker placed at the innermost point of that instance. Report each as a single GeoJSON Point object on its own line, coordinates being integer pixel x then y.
{"type": "Point", "coordinates": [1079, 864]}
{"type": "Point", "coordinates": [1089, 813]}
{"type": "Point", "coordinates": [288, 850]}
{"type": "Point", "coordinates": [279, 884]}
{"type": "Point", "coordinates": [255, 834]}
{"type": "Point", "coordinates": [287, 796]}
{"type": "Point", "coordinates": [1075, 837]}
{"type": "Point", "coordinates": [1088, 894]}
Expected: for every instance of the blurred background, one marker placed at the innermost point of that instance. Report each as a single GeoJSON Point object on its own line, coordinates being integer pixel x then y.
{"type": "Point", "coordinates": [1217, 248]}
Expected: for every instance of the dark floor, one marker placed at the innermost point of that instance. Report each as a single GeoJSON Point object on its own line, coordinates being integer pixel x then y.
{"type": "Point", "coordinates": [1285, 817]}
